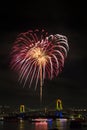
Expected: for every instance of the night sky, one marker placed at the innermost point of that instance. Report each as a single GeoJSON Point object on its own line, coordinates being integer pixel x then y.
{"type": "Point", "coordinates": [67, 18]}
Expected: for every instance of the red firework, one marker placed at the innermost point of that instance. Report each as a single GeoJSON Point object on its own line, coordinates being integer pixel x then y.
{"type": "Point", "coordinates": [37, 56]}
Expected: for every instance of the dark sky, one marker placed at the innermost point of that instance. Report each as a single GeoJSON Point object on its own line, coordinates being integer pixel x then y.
{"type": "Point", "coordinates": [68, 18]}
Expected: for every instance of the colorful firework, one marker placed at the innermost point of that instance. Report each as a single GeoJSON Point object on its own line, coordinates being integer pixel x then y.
{"type": "Point", "coordinates": [37, 56]}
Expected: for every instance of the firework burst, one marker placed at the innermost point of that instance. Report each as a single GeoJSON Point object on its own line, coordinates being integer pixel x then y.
{"type": "Point", "coordinates": [37, 56]}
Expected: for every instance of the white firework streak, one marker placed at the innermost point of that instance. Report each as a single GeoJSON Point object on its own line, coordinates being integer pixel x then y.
{"type": "Point", "coordinates": [24, 77]}
{"type": "Point", "coordinates": [60, 54]}
{"type": "Point", "coordinates": [38, 74]}
{"type": "Point", "coordinates": [60, 39]}
{"type": "Point", "coordinates": [16, 66]}
{"type": "Point", "coordinates": [28, 74]}
{"type": "Point", "coordinates": [51, 65]}
{"type": "Point", "coordinates": [64, 49]}
{"type": "Point", "coordinates": [24, 65]}
{"type": "Point", "coordinates": [43, 73]}
{"type": "Point", "coordinates": [57, 63]}
{"type": "Point", "coordinates": [24, 71]}
{"type": "Point", "coordinates": [32, 76]}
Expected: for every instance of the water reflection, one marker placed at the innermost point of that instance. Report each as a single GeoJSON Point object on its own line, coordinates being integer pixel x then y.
{"type": "Point", "coordinates": [41, 126]}
{"type": "Point", "coordinates": [50, 124]}
{"type": "Point", "coordinates": [61, 124]}
{"type": "Point", "coordinates": [1, 124]}
{"type": "Point", "coordinates": [21, 124]}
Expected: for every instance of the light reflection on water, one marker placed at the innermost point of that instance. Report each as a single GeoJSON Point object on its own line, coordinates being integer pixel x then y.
{"type": "Point", "coordinates": [26, 125]}
{"type": "Point", "coordinates": [61, 124]}
{"type": "Point", "coordinates": [41, 126]}
{"type": "Point", "coordinates": [21, 125]}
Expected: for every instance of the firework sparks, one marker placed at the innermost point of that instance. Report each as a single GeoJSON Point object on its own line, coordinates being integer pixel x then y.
{"type": "Point", "coordinates": [37, 56]}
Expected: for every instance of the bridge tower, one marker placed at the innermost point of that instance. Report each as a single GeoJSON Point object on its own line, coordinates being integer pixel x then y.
{"type": "Point", "coordinates": [22, 108]}
{"type": "Point", "coordinates": [59, 108]}
{"type": "Point", "coordinates": [22, 112]}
